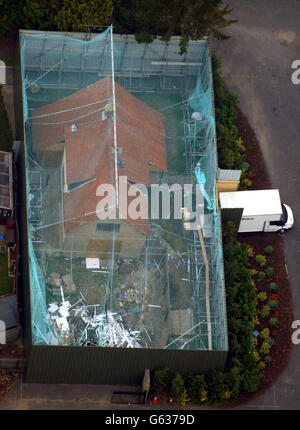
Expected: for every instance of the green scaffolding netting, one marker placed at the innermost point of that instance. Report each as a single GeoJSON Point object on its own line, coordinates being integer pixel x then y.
{"type": "Point", "coordinates": [96, 106]}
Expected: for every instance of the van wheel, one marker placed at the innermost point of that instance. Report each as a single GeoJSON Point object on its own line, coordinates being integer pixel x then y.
{"type": "Point", "coordinates": [282, 231]}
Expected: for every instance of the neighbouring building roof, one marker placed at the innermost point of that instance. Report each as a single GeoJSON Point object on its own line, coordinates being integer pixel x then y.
{"type": "Point", "coordinates": [228, 175]}
{"type": "Point", "coordinates": [9, 311]}
{"type": "Point", "coordinates": [6, 187]}
{"type": "Point", "coordinates": [84, 124]}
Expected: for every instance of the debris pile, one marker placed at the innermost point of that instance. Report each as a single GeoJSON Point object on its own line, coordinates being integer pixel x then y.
{"type": "Point", "coordinates": [80, 324]}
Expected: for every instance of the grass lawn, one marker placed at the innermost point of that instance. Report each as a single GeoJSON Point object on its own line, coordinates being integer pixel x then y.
{"type": "Point", "coordinates": [6, 283]}
{"type": "Point", "coordinates": [6, 137]}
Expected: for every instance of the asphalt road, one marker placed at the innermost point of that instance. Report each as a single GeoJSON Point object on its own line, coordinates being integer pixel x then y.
{"type": "Point", "coordinates": [257, 66]}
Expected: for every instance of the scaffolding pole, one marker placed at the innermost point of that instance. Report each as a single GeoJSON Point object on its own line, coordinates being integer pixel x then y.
{"type": "Point", "coordinates": [206, 287]}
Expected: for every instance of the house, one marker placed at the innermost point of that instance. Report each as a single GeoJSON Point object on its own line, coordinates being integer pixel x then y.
{"type": "Point", "coordinates": [80, 129]}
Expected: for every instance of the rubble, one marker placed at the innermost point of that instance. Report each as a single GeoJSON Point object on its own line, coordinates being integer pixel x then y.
{"type": "Point", "coordinates": [103, 329]}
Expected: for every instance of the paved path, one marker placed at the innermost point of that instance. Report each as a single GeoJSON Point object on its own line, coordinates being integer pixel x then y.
{"type": "Point", "coordinates": [257, 66]}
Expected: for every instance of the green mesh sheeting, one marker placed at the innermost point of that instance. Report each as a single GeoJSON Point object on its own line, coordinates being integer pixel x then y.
{"type": "Point", "coordinates": [96, 106]}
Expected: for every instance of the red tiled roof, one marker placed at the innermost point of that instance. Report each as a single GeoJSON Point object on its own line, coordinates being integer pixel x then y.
{"type": "Point", "coordinates": [89, 150]}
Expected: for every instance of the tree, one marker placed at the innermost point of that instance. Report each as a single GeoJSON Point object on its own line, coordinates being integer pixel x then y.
{"type": "Point", "coordinates": [62, 15]}
{"type": "Point", "coordinates": [191, 19]}
{"type": "Point", "coordinates": [39, 14]}
{"type": "Point", "coordinates": [9, 13]}
{"type": "Point", "coordinates": [76, 15]}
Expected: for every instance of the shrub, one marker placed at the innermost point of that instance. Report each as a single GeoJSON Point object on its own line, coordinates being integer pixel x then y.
{"type": "Point", "coordinates": [252, 378]}
{"type": "Point", "coordinates": [255, 321]}
{"type": "Point", "coordinates": [230, 152]}
{"type": "Point", "coordinates": [216, 386]}
{"type": "Point", "coordinates": [197, 389]}
{"type": "Point", "coordinates": [268, 249]}
{"type": "Point", "coordinates": [250, 251]}
{"type": "Point", "coordinates": [253, 272]}
{"type": "Point", "coordinates": [265, 312]}
{"type": "Point", "coordinates": [262, 296]}
{"type": "Point", "coordinates": [265, 348]}
{"type": "Point", "coordinates": [256, 355]}
{"type": "Point", "coordinates": [160, 379]}
{"type": "Point", "coordinates": [253, 285]}
{"type": "Point", "coordinates": [261, 275]}
{"type": "Point", "coordinates": [272, 304]}
{"type": "Point", "coordinates": [270, 271]}
{"type": "Point", "coordinates": [271, 341]}
{"type": "Point", "coordinates": [261, 365]}
{"type": "Point", "coordinates": [261, 259]}
{"type": "Point", "coordinates": [268, 359]}
{"type": "Point", "coordinates": [273, 322]}
{"type": "Point", "coordinates": [265, 333]}
{"type": "Point", "coordinates": [273, 286]}
{"type": "Point", "coordinates": [247, 182]}
{"type": "Point", "coordinates": [239, 141]}
{"type": "Point", "coordinates": [177, 387]}
{"type": "Point", "coordinates": [184, 398]}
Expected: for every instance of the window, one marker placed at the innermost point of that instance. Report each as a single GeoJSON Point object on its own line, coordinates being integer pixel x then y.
{"type": "Point", "coordinates": [279, 223]}
{"type": "Point", "coordinates": [108, 226]}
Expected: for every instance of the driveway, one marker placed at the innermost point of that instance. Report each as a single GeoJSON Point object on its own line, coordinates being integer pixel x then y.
{"type": "Point", "coordinates": [257, 66]}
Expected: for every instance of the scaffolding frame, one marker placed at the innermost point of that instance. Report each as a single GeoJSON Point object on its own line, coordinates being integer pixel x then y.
{"type": "Point", "coordinates": [62, 61]}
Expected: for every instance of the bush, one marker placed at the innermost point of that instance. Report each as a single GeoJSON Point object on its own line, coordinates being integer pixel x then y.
{"type": "Point", "coordinates": [197, 389]}
{"type": "Point", "coordinates": [216, 386]}
{"type": "Point", "coordinates": [261, 365]}
{"type": "Point", "coordinates": [270, 271]}
{"type": "Point", "coordinates": [261, 259]}
{"type": "Point", "coordinates": [184, 398]}
{"type": "Point", "coordinates": [268, 249]}
{"type": "Point", "coordinates": [252, 378]}
{"type": "Point", "coordinates": [272, 304]}
{"type": "Point", "coordinates": [273, 286]}
{"type": "Point", "coordinates": [265, 348]}
{"type": "Point", "coordinates": [261, 275]}
{"type": "Point", "coordinates": [250, 251]}
{"type": "Point", "coordinates": [265, 333]}
{"type": "Point", "coordinates": [242, 316]}
{"type": "Point", "coordinates": [265, 312]}
{"type": "Point", "coordinates": [230, 149]}
{"type": "Point", "coordinates": [177, 387]}
{"type": "Point", "coordinates": [268, 359]}
{"type": "Point", "coordinates": [247, 182]}
{"type": "Point", "coordinates": [262, 296]}
{"type": "Point", "coordinates": [271, 341]}
{"type": "Point", "coordinates": [160, 378]}
{"type": "Point", "coordinates": [255, 321]}
{"type": "Point", "coordinates": [273, 322]}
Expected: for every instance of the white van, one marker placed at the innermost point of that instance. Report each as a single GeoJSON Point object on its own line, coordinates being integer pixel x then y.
{"type": "Point", "coordinates": [262, 210]}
